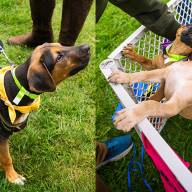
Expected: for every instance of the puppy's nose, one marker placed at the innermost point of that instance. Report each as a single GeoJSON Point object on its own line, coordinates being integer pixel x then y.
{"type": "Point", "coordinates": [85, 48]}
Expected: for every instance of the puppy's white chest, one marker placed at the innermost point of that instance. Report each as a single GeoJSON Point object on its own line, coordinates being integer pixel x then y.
{"type": "Point", "coordinates": [179, 76]}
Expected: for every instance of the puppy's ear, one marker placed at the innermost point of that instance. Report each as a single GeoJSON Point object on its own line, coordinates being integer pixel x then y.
{"type": "Point", "coordinates": [39, 76]}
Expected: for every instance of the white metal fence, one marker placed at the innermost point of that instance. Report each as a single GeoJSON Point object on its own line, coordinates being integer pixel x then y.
{"type": "Point", "coordinates": [148, 44]}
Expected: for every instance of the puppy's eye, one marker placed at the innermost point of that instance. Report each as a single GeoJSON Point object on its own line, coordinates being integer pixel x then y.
{"type": "Point", "coordinates": [59, 57]}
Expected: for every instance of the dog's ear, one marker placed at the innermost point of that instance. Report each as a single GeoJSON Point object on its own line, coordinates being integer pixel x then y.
{"type": "Point", "coordinates": [39, 76]}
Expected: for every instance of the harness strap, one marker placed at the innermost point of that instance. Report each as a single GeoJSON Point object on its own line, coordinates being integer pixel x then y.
{"type": "Point", "coordinates": [22, 91]}
{"type": "Point", "coordinates": [23, 109]}
{"type": "Point", "coordinates": [13, 108]}
{"type": "Point", "coordinates": [11, 127]}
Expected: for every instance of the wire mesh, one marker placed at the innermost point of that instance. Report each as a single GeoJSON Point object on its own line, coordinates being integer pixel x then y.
{"type": "Point", "coordinates": [148, 45]}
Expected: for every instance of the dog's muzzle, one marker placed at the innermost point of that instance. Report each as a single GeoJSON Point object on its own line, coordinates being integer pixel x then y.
{"type": "Point", "coordinates": [84, 56]}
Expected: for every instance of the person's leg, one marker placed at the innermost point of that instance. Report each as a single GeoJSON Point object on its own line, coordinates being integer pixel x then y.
{"type": "Point", "coordinates": [100, 7]}
{"type": "Point", "coordinates": [109, 151]}
{"type": "Point", "coordinates": [101, 152]}
{"type": "Point", "coordinates": [100, 185]}
{"type": "Point", "coordinates": [151, 13]}
{"type": "Point", "coordinates": [73, 17]}
{"type": "Point", "coordinates": [41, 13]}
{"type": "Point", "coordinates": [113, 149]}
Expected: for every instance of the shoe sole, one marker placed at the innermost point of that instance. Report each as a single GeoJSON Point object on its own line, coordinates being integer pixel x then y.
{"type": "Point", "coordinates": [116, 158]}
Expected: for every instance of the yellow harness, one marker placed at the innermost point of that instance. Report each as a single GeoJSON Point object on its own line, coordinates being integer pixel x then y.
{"type": "Point", "coordinates": [13, 108]}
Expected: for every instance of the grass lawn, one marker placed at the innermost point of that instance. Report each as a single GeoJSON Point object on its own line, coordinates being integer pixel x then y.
{"type": "Point", "coordinates": [56, 151]}
{"type": "Point", "coordinates": [114, 27]}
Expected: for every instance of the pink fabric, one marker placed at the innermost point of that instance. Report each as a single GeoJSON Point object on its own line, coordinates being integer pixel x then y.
{"type": "Point", "coordinates": [169, 180]}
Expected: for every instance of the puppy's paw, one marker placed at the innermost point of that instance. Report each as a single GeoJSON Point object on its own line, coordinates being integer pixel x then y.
{"type": "Point", "coordinates": [126, 119]}
{"type": "Point", "coordinates": [129, 52]}
{"type": "Point", "coordinates": [119, 77]}
{"type": "Point", "coordinates": [16, 178]}
{"type": "Point", "coordinates": [19, 181]}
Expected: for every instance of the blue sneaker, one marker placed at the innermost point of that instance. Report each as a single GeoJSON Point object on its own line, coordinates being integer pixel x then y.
{"type": "Point", "coordinates": [118, 147]}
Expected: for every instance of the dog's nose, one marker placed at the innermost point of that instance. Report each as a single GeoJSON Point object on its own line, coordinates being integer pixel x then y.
{"type": "Point", "coordinates": [85, 48]}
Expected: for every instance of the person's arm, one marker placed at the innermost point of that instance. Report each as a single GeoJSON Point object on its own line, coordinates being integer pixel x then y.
{"type": "Point", "coordinates": [153, 14]}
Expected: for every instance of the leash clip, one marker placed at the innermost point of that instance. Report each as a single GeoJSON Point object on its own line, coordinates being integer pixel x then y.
{"type": "Point", "coordinates": [4, 54]}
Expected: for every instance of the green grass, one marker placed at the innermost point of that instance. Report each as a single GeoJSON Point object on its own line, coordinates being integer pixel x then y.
{"type": "Point", "coordinates": [56, 150]}
{"type": "Point", "coordinates": [114, 27]}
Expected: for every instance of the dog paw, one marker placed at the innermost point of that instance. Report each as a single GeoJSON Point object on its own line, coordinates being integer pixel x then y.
{"type": "Point", "coordinates": [119, 77]}
{"type": "Point", "coordinates": [16, 179]}
{"type": "Point", "coordinates": [19, 181]}
{"type": "Point", "coordinates": [129, 52]}
{"type": "Point", "coordinates": [126, 119]}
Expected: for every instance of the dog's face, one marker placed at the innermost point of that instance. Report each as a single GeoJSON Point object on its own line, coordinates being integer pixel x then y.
{"type": "Point", "coordinates": [183, 40]}
{"type": "Point", "coordinates": [51, 63]}
{"type": "Point", "coordinates": [186, 35]}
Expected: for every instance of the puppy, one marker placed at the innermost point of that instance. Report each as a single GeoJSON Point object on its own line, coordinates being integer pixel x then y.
{"type": "Point", "coordinates": [176, 80]}
{"type": "Point", "coordinates": [181, 46]}
{"type": "Point", "coordinates": [178, 83]}
{"type": "Point", "coordinates": [48, 65]}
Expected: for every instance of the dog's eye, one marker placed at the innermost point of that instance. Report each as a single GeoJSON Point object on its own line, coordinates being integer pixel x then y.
{"type": "Point", "coordinates": [59, 57]}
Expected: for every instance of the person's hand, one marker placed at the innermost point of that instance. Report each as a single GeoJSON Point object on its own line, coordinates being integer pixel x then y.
{"type": "Point", "coordinates": [119, 77]}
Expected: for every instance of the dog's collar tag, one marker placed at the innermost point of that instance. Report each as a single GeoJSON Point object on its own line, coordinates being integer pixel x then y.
{"type": "Point", "coordinates": [22, 91]}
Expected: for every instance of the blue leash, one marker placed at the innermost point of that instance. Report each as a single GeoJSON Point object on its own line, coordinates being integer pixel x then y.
{"type": "Point", "coordinates": [137, 166]}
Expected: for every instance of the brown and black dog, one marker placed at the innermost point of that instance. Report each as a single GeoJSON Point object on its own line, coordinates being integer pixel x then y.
{"type": "Point", "coordinates": [180, 46]}
{"type": "Point", "coordinates": [177, 85]}
{"type": "Point", "coordinates": [48, 65]}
